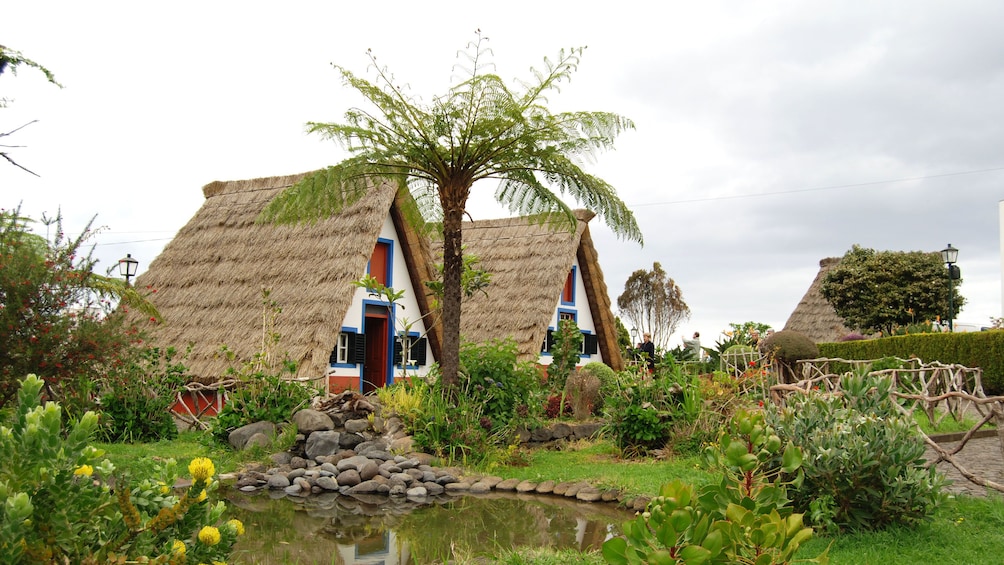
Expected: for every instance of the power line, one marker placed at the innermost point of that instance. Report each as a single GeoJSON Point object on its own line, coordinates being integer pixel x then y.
{"type": "Point", "coordinates": [833, 187]}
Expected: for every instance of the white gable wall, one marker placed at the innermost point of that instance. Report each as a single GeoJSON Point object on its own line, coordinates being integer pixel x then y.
{"type": "Point", "coordinates": [405, 310]}
{"type": "Point", "coordinates": [583, 317]}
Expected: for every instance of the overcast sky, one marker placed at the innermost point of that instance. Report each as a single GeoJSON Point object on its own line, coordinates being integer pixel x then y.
{"type": "Point", "coordinates": [769, 134]}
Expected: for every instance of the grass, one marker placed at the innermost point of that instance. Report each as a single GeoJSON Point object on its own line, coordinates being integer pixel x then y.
{"type": "Point", "coordinates": [138, 457]}
{"type": "Point", "coordinates": [598, 463]}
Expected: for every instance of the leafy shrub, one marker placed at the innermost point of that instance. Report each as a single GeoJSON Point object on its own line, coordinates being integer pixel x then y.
{"type": "Point", "coordinates": [261, 397]}
{"type": "Point", "coordinates": [787, 347]}
{"type": "Point", "coordinates": [558, 406]}
{"type": "Point", "coordinates": [864, 462]}
{"type": "Point", "coordinates": [137, 396]}
{"type": "Point", "coordinates": [641, 413]}
{"type": "Point", "coordinates": [56, 510]}
{"type": "Point", "coordinates": [510, 390]}
{"type": "Point", "coordinates": [564, 354]}
{"type": "Point", "coordinates": [746, 518]}
{"type": "Point", "coordinates": [581, 390]}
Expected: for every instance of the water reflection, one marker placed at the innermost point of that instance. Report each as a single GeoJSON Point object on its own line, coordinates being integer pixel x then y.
{"type": "Point", "coordinates": [369, 530]}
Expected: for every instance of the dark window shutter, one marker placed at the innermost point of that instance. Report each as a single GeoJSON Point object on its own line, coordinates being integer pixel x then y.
{"type": "Point", "coordinates": [548, 341]}
{"type": "Point", "coordinates": [592, 344]}
{"type": "Point", "coordinates": [357, 349]}
{"type": "Point", "coordinates": [418, 351]}
{"type": "Point", "coordinates": [397, 351]}
{"type": "Point", "coordinates": [333, 358]}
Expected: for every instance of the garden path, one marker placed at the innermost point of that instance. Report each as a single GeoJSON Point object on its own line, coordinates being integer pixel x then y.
{"type": "Point", "coordinates": [982, 457]}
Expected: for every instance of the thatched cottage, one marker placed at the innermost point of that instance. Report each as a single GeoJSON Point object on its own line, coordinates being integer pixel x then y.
{"type": "Point", "coordinates": [814, 316]}
{"type": "Point", "coordinates": [540, 275]}
{"type": "Point", "coordinates": [209, 282]}
{"type": "Point", "coordinates": [210, 279]}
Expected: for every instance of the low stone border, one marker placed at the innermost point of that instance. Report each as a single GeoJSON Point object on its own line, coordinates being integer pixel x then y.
{"type": "Point", "coordinates": [344, 447]}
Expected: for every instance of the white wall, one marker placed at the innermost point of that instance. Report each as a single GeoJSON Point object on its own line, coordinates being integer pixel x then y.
{"type": "Point", "coordinates": [584, 318]}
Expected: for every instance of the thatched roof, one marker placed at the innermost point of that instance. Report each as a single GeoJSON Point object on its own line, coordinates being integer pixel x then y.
{"type": "Point", "coordinates": [209, 279]}
{"type": "Point", "coordinates": [814, 316]}
{"type": "Point", "coordinates": [529, 263]}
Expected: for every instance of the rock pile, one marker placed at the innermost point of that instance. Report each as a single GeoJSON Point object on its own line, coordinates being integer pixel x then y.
{"type": "Point", "coordinates": [343, 446]}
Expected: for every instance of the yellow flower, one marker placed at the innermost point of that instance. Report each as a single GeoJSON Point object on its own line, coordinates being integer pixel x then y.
{"type": "Point", "coordinates": [201, 469]}
{"type": "Point", "coordinates": [85, 470]}
{"type": "Point", "coordinates": [219, 563]}
{"type": "Point", "coordinates": [237, 525]}
{"type": "Point", "coordinates": [202, 496]}
{"type": "Point", "coordinates": [164, 489]}
{"type": "Point", "coordinates": [209, 535]}
{"type": "Point", "coordinates": [178, 547]}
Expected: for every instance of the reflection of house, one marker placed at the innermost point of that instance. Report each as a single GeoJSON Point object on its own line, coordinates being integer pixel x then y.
{"type": "Point", "coordinates": [540, 275]}
{"type": "Point", "coordinates": [209, 282]}
{"type": "Point", "coordinates": [814, 316]}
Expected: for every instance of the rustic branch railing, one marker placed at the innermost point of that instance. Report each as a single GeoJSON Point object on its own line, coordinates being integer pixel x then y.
{"type": "Point", "coordinates": [936, 389]}
{"type": "Point", "coordinates": [204, 397]}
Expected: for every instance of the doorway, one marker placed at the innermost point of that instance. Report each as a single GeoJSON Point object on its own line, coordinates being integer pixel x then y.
{"type": "Point", "coordinates": [377, 361]}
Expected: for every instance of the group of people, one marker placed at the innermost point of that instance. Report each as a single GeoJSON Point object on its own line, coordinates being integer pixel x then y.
{"type": "Point", "coordinates": [646, 349]}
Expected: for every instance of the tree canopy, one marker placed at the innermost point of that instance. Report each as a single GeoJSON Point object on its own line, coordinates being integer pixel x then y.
{"type": "Point", "coordinates": [653, 303]}
{"type": "Point", "coordinates": [478, 130]}
{"type": "Point", "coordinates": [877, 291]}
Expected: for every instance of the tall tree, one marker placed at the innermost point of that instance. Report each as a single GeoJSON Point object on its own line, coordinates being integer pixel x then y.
{"type": "Point", "coordinates": [478, 130]}
{"type": "Point", "coordinates": [880, 290]}
{"type": "Point", "coordinates": [653, 303]}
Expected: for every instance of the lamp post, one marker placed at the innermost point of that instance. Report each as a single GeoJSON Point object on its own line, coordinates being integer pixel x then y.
{"type": "Point", "coordinates": [127, 267]}
{"type": "Point", "coordinates": [950, 256]}
{"type": "Point", "coordinates": [634, 337]}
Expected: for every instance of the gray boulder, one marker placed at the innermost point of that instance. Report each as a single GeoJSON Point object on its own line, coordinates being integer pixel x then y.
{"type": "Point", "coordinates": [322, 443]}
{"type": "Point", "coordinates": [239, 437]}
{"type": "Point", "coordinates": [308, 421]}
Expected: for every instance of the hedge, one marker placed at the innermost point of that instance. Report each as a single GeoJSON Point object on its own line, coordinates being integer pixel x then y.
{"type": "Point", "coordinates": [973, 349]}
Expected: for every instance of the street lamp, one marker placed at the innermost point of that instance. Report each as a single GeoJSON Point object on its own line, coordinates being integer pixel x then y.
{"type": "Point", "coordinates": [127, 267]}
{"type": "Point", "coordinates": [950, 256]}
{"type": "Point", "coordinates": [634, 337]}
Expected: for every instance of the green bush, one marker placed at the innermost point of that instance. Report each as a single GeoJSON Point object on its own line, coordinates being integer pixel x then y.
{"type": "Point", "coordinates": [509, 390]}
{"type": "Point", "coordinates": [137, 396]}
{"type": "Point", "coordinates": [864, 462]}
{"type": "Point", "coordinates": [787, 347]}
{"type": "Point", "coordinates": [972, 349]}
{"type": "Point", "coordinates": [261, 397]}
{"type": "Point", "coordinates": [58, 509]}
{"type": "Point", "coordinates": [746, 518]}
{"type": "Point", "coordinates": [564, 354]}
{"type": "Point", "coordinates": [642, 411]}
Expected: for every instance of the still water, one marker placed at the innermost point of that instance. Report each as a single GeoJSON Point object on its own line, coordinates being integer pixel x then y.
{"type": "Point", "coordinates": [343, 530]}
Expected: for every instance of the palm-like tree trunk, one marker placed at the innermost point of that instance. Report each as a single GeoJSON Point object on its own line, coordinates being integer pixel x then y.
{"type": "Point", "coordinates": [453, 266]}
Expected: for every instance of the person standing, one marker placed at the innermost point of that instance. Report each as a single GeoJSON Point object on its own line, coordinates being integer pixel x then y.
{"type": "Point", "coordinates": [648, 349]}
{"type": "Point", "coordinates": [694, 345]}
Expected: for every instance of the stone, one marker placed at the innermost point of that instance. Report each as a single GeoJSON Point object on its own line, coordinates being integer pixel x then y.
{"type": "Point", "coordinates": [296, 473]}
{"type": "Point", "coordinates": [308, 421]}
{"type": "Point", "coordinates": [365, 487]}
{"type": "Point", "coordinates": [546, 487]}
{"type": "Point", "coordinates": [610, 495]}
{"type": "Point", "coordinates": [259, 440]}
{"type": "Point", "coordinates": [349, 477]}
{"type": "Point", "coordinates": [541, 435]}
{"type": "Point", "coordinates": [293, 489]}
{"type": "Point", "coordinates": [322, 443]}
{"type": "Point", "coordinates": [239, 437]}
{"type": "Point", "coordinates": [589, 494]}
{"type": "Point", "coordinates": [560, 430]}
{"type": "Point", "coordinates": [350, 440]}
{"type": "Point", "coordinates": [507, 485]}
{"type": "Point", "coordinates": [368, 470]}
{"type": "Point", "coordinates": [458, 487]}
{"type": "Point", "coordinates": [328, 467]}
{"type": "Point", "coordinates": [402, 477]}
{"type": "Point", "coordinates": [526, 486]}
{"type": "Point", "coordinates": [480, 487]}
{"type": "Point", "coordinates": [398, 490]}
{"type": "Point", "coordinates": [434, 489]}
{"type": "Point", "coordinates": [560, 488]}
{"type": "Point", "coordinates": [356, 426]}
{"type": "Point", "coordinates": [281, 458]}
{"type": "Point", "coordinates": [574, 489]}
{"type": "Point", "coordinates": [298, 463]}
{"type": "Point", "coordinates": [402, 445]}
{"type": "Point", "coordinates": [417, 492]}
{"type": "Point", "coordinates": [490, 480]}
{"type": "Point", "coordinates": [586, 430]}
{"type": "Point", "coordinates": [278, 481]}
{"type": "Point", "coordinates": [353, 462]}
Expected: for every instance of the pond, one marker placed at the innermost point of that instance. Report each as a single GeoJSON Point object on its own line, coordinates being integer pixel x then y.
{"type": "Point", "coordinates": [367, 529]}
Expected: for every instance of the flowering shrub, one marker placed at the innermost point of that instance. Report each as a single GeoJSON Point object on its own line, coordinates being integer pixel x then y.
{"type": "Point", "coordinates": [57, 508]}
